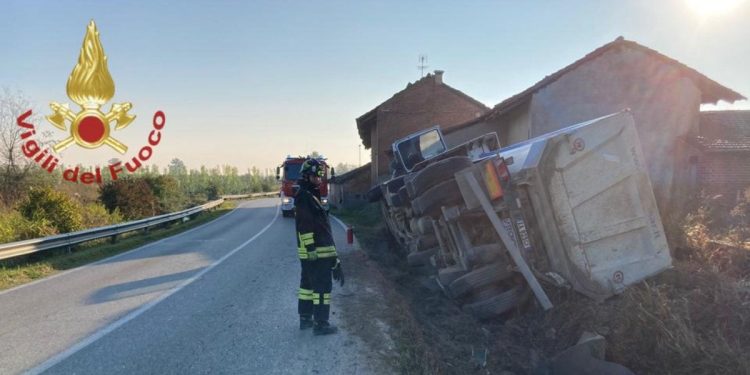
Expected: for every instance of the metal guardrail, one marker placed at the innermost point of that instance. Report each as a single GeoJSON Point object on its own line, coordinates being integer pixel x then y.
{"type": "Point", "coordinates": [14, 249]}
{"type": "Point", "coordinates": [254, 195]}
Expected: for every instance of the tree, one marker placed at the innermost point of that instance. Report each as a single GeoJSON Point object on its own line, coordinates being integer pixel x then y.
{"type": "Point", "coordinates": [177, 167]}
{"type": "Point", "coordinates": [342, 168]}
{"type": "Point", "coordinates": [15, 168]}
{"type": "Point", "coordinates": [132, 196]}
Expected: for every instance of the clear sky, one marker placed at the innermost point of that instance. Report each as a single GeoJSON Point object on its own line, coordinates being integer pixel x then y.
{"type": "Point", "coordinates": [246, 83]}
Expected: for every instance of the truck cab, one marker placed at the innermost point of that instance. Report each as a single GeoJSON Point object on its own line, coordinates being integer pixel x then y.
{"type": "Point", "coordinates": [289, 174]}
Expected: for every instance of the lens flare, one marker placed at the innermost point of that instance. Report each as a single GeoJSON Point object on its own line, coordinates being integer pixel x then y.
{"type": "Point", "coordinates": [713, 7]}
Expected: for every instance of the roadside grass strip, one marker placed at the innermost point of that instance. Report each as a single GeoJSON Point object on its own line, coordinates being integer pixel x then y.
{"type": "Point", "coordinates": [17, 272]}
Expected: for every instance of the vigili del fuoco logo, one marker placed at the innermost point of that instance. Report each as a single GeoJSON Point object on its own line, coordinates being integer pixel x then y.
{"type": "Point", "coordinates": [90, 86]}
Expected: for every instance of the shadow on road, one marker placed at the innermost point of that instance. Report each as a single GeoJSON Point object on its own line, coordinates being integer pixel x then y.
{"type": "Point", "coordinates": [140, 287]}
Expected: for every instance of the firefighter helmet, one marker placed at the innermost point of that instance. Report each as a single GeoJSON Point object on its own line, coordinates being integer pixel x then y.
{"type": "Point", "coordinates": [312, 167]}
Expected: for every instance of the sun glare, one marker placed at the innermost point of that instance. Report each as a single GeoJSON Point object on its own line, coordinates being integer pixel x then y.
{"type": "Point", "coordinates": [713, 7]}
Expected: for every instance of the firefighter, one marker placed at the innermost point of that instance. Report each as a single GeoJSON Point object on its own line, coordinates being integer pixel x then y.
{"type": "Point", "coordinates": [317, 252]}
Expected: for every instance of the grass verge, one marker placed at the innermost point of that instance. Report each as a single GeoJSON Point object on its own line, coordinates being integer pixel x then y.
{"type": "Point", "coordinates": [413, 351]}
{"type": "Point", "coordinates": [692, 319]}
{"type": "Point", "coordinates": [15, 272]}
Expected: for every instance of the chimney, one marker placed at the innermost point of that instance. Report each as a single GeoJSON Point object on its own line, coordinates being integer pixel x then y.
{"type": "Point", "coordinates": [439, 77]}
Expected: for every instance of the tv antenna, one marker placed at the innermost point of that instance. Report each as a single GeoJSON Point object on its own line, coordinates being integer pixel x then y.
{"type": "Point", "coordinates": [422, 64]}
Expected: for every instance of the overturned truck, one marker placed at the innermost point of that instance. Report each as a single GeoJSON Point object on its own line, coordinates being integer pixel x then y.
{"type": "Point", "coordinates": [572, 208]}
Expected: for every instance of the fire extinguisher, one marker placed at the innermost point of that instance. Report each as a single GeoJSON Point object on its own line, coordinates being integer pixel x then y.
{"type": "Point", "coordinates": [349, 234]}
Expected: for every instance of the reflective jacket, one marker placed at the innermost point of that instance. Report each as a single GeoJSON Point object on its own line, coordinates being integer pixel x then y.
{"type": "Point", "coordinates": [314, 236]}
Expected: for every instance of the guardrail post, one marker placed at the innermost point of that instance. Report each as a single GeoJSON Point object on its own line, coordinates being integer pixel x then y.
{"type": "Point", "coordinates": [113, 238]}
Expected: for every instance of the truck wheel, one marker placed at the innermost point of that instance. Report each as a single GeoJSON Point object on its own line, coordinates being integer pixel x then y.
{"type": "Point", "coordinates": [445, 193]}
{"type": "Point", "coordinates": [479, 278]}
{"type": "Point", "coordinates": [435, 173]}
{"type": "Point", "coordinates": [374, 194]}
{"type": "Point", "coordinates": [449, 274]}
{"type": "Point", "coordinates": [420, 258]}
{"type": "Point", "coordinates": [396, 200]}
{"type": "Point", "coordinates": [496, 305]}
{"type": "Point", "coordinates": [426, 242]}
{"type": "Point", "coordinates": [403, 196]}
{"type": "Point", "coordinates": [424, 225]}
{"type": "Point", "coordinates": [393, 185]}
{"type": "Point", "coordinates": [484, 293]}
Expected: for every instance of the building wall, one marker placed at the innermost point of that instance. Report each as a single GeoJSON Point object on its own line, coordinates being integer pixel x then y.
{"type": "Point", "coordinates": [724, 170]}
{"type": "Point", "coordinates": [425, 103]}
{"type": "Point", "coordinates": [515, 125]}
{"type": "Point", "coordinates": [352, 192]}
{"type": "Point", "coordinates": [464, 134]}
{"type": "Point", "coordinates": [664, 103]}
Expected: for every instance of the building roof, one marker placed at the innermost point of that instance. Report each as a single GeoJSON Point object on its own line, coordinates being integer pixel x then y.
{"type": "Point", "coordinates": [711, 91]}
{"type": "Point", "coordinates": [724, 131]}
{"type": "Point", "coordinates": [369, 119]}
{"type": "Point", "coordinates": [344, 177]}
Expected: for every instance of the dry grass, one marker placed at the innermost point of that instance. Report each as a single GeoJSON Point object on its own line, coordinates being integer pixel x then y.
{"type": "Point", "coordinates": [692, 319]}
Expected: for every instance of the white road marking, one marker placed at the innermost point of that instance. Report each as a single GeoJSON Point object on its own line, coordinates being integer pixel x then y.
{"type": "Point", "coordinates": [115, 256]}
{"type": "Point", "coordinates": [106, 330]}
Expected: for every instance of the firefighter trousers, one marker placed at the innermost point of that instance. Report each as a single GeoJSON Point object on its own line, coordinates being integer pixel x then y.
{"type": "Point", "coordinates": [315, 289]}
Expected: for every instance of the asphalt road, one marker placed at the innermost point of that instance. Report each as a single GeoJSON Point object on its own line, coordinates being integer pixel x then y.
{"type": "Point", "coordinates": [217, 299]}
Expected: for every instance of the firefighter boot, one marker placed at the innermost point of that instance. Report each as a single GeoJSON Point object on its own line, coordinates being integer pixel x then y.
{"type": "Point", "coordinates": [305, 322]}
{"type": "Point", "coordinates": [324, 328]}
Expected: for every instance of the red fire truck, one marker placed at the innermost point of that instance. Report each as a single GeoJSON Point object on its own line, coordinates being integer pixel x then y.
{"type": "Point", "coordinates": [288, 174]}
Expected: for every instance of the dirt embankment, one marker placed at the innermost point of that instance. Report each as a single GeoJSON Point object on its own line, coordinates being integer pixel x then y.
{"type": "Point", "coordinates": [693, 319]}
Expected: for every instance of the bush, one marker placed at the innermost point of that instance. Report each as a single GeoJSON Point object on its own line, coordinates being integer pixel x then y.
{"type": "Point", "coordinates": [133, 198]}
{"type": "Point", "coordinates": [15, 227]}
{"type": "Point", "coordinates": [95, 215]}
{"type": "Point", "coordinates": [46, 205]}
{"type": "Point", "coordinates": [167, 192]}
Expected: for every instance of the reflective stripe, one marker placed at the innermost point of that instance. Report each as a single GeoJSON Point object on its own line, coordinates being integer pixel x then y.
{"type": "Point", "coordinates": [327, 298]}
{"type": "Point", "coordinates": [305, 294]}
{"type": "Point", "coordinates": [316, 298]}
{"type": "Point", "coordinates": [302, 252]}
{"type": "Point", "coordinates": [306, 239]}
{"type": "Point", "coordinates": [326, 251]}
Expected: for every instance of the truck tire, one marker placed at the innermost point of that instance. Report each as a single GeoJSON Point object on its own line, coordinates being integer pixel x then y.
{"type": "Point", "coordinates": [445, 193]}
{"type": "Point", "coordinates": [478, 278]}
{"type": "Point", "coordinates": [393, 185]}
{"type": "Point", "coordinates": [396, 200]}
{"type": "Point", "coordinates": [496, 305]}
{"type": "Point", "coordinates": [374, 194]}
{"type": "Point", "coordinates": [449, 274]}
{"type": "Point", "coordinates": [426, 242]}
{"type": "Point", "coordinates": [424, 225]}
{"type": "Point", "coordinates": [403, 196]}
{"type": "Point", "coordinates": [436, 173]}
{"type": "Point", "coordinates": [484, 293]}
{"type": "Point", "coordinates": [421, 257]}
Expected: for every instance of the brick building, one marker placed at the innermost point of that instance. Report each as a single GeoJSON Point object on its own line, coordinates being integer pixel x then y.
{"type": "Point", "coordinates": [350, 189]}
{"type": "Point", "coordinates": [723, 165]}
{"type": "Point", "coordinates": [424, 103]}
{"type": "Point", "coordinates": [663, 94]}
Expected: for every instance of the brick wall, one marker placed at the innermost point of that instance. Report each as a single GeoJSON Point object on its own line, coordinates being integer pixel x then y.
{"type": "Point", "coordinates": [725, 169]}
{"type": "Point", "coordinates": [425, 103]}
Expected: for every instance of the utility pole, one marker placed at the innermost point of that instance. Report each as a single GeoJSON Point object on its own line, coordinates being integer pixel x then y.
{"type": "Point", "coordinates": [359, 147]}
{"type": "Point", "coordinates": [422, 64]}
